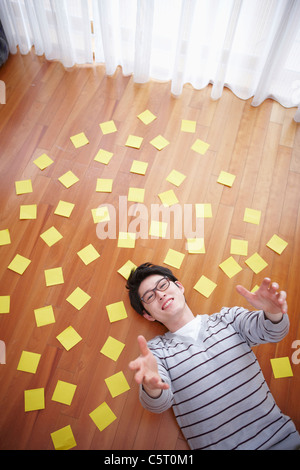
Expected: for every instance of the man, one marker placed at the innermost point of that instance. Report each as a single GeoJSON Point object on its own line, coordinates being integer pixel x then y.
{"type": "Point", "coordinates": [204, 366]}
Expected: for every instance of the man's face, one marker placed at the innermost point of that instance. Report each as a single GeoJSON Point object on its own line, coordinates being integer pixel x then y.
{"type": "Point", "coordinates": [167, 305]}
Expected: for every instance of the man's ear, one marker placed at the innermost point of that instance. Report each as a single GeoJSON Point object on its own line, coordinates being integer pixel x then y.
{"type": "Point", "coordinates": [148, 316]}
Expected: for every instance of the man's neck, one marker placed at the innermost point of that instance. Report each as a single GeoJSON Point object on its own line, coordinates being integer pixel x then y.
{"type": "Point", "coordinates": [181, 320]}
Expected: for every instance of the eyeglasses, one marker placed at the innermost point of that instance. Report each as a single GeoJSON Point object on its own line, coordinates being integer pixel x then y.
{"type": "Point", "coordinates": [161, 285]}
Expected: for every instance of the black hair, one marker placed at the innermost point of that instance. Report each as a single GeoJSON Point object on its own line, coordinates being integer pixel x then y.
{"type": "Point", "coordinates": [137, 276]}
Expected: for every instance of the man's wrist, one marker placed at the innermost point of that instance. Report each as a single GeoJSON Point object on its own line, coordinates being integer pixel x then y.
{"type": "Point", "coordinates": [273, 317]}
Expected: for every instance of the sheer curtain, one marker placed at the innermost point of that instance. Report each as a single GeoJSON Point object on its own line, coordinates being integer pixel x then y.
{"type": "Point", "coordinates": [250, 46]}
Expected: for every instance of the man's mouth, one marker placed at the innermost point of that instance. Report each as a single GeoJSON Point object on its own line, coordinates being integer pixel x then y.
{"type": "Point", "coordinates": [166, 304]}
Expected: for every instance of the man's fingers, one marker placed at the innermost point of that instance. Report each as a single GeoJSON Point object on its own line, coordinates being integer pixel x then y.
{"type": "Point", "coordinates": [143, 345]}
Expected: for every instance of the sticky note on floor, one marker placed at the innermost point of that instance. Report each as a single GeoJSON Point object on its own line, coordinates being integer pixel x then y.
{"type": "Point", "coordinates": [188, 126]}
{"type": "Point", "coordinates": [28, 212]}
{"type": "Point", "coordinates": [19, 264]}
{"type": "Point", "coordinates": [168, 198]}
{"type": "Point", "coordinates": [34, 399]}
{"type": "Point", "coordinates": [23, 187]}
{"type": "Point", "coordinates": [134, 141]}
{"type": "Point", "coordinates": [116, 311]}
{"type": "Point", "coordinates": [112, 348]}
{"type": "Point", "coordinates": [51, 236]}
{"type": "Point", "coordinates": [88, 254]}
{"type": "Point", "coordinates": [136, 195]}
{"type": "Point", "coordinates": [138, 167]}
{"type": "Point", "coordinates": [104, 185]}
{"type": "Point", "coordinates": [252, 216]}
{"type": "Point", "coordinates": [103, 156]}
{"type": "Point", "coordinates": [63, 439]}
{"type": "Point", "coordinates": [126, 269]}
{"type": "Point", "coordinates": [108, 127]}
{"type": "Point", "coordinates": [68, 179]}
{"type": "Point", "coordinates": [126, 240]}
{"type": "Point", "coordinates": [200, 146]}
{"type": "Point", "coordinates": [256, 263]}
{"type": "Point", "coordinates": [43, 161]}
{"type": "Point", "coordinates": [4, 303]}
{"type": "Point", "coordinates": [147, 117]}
{"type": "Point", "coordinates": [158, 229]}
{"type": "Point", "coordinates": [64, 208]}
{"type": "Point", "coordinates": [205, 286]}
{"type": "Point", "coordinates": [159, 142]}
{"type": "Point", "coordinates": [230, 267]}
{"type": "Point", "coordinates": [117, 384]}
{"type": "Point", "coordinates": [195, 245]}
{"type": "Point", "coordinates": [44, 316]}
{"type": "Point", "coordinates": [277, 244]}
{"type": "Point", "coordinates": [5, 237]}
{"type": "Point", "coordinates": [175, 177]}
{"type": "Point", "coordinates": [29, 362]}
{"type": "Point", "coordinates": [78, 298]}
{"type": "Point", "coordinates": [203, 210]}
{"type": "Point", "coordinates": [281, 367]}
{"type": "Point", "coordinates": [79, 140]}
{"type": "Point", "coordinates": [174, 258]}
{"type": "Point", "coordinates": [102, 416]}
{"type": "Point", "coordinates": [69, 338]}
{"type": "Point", "coordinates": [54, 276]}
{"type": "Point", "coordinates": [100, 214]}
{"type": "Point", "coordinates": [238, 247]}
{"type": "Point", "coordinates": [227, 179]}
{"type": "Point", "coordinates": [64, 392]}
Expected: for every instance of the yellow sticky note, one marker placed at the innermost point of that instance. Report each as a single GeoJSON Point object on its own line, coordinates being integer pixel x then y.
{"type": "Point", "coordinates": [28, 212]}
{"type": "Point", "coordinates": [5, 237]}
{"type": "Point", "coordinates": [136, 194]}
{"type": "Point", "coordinates": [126, 269]}
{"type": "Point", "coordinates": [238, 247]}
{"type": "Point", "coordinates": [69, 338]}
{"type": "Point", "coordinates": [200, 146]}
{"type": "Point", "coordinates": [281, 367]}
{"type": "Point", "coordinates": [230, 267]}
{"type": "Point", "coordinates": [159, 142]}
{"type": "Point", "coordinates": [174, 258]}
{"type": "Point", "coordinates": [51, 236]}
{"type": "Point", "coordinates": [44, 316]}
{"type": "Point", "coordinates": [19, 264]}
{"type": "Point", "coordinates": [54, 276]}
{"type": "Point", "coordinates": [116, 311]}
{"type": "Point", "coordinates": [29, 362]}
{"type": "Point", "coordinates": [117, 384]}
{"type": "Point", "coordinates": [256, 263]}
{"type": "Point", "coordinates": [43, 161]}
{"type": "Point", "coordinates": [146, 117]}
{"type": "Point", "coordinates": [102, 416]}
{"type": "Point", "coordinates": [188, 126]}
{"type": "Point", "coordinates": [252, 216]}
{"type": "Point", "coordinates": [108, 127]}
{"type": "Point", "coordinates": [277, 244]}
{"type": "Point", "coordinates": [101, 214]}
{"type": "Point", "coordinates": [134, 141]}
{"type": "Point", "coordinates": [205, 286]}
{"type": "Point", "coordinates": [168, 198]}
{"type": "Point", "coordinates": [79, 140]}
{"type": "Point", "coordinates": [63, 439]}
{"type": "Point", "coordinates": [78, 298]}
{"type": "Point", "coordinates": [126, 240]}
{"type": "Point", "coordinates": [23, 187]}
{"type": "Point", "coordinates": [64, 392]}
{"type": "Point", "coordinates": [112, 348]}
{"type": "Point", "coordinates": [34, 399]}
{"type": "Point", "coordinates": [88, 254]}
{"type": "Point", "coordinates": [104, 185]}
{"type": "Point", "coordinates": [175, 177]}
{"type": "Point", "coordinates": [139, 167]}
{"type": "Point", "coordinates": [4, 303]}
{"type": "Point", "coordinates": [195, 245]}
{"type": "Point", "coordinates": [227, 179]}
{"type": "Point", "coordinates": [203, 210]}
{"type": "Point", "coordinates": [158, 229]}
{"type": "Point", "coordinates": [64, 208]}
{"type": "Point", "coordinates": [103, 156]}
{"type": "Point", "coordinates": [68, 179]}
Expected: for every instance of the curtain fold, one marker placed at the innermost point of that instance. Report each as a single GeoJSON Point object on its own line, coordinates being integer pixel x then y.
{"type": "Point", "coordinates": [250, 46]}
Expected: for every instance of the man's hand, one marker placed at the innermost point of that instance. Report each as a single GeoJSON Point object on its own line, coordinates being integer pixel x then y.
{"type": "Point", "coordinates": [267, 298]}
{"type": "Point", "coordinates": [147, 371]}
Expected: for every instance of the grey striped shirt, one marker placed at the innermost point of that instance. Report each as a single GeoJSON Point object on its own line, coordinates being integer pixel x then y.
{"type": "Point", "coordinates": [217, 390]}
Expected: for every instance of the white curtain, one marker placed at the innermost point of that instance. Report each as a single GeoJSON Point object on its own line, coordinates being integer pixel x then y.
{"type": "Point", "coordinates": [250, 46]}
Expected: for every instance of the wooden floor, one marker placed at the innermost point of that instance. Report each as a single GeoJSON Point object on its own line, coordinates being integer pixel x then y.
{"type": "Point", "coordinates": [46, 105]}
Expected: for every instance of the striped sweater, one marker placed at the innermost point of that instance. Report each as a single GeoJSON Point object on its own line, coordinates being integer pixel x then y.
{"type": "Point", "coordinates": [217, 390]}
